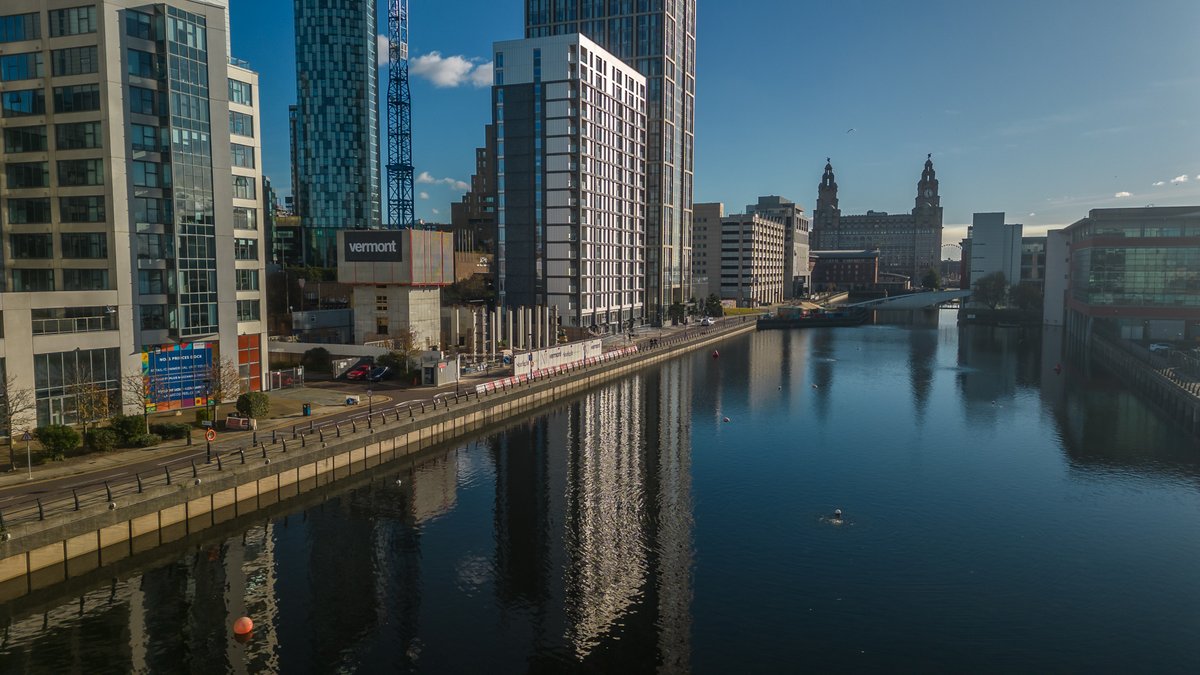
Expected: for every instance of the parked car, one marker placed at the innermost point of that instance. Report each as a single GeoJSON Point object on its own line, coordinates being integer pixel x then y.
{"type": "Point", "coordinates": [378, 373]}
{"type": "Point", "coordinates": [707, 321]}
{"type": "Point", "coordinates": [1160, 348]}
{"type": "Point", "coordinates": [358, 372]}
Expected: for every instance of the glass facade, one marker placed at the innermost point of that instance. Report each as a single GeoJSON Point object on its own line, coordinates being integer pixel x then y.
{"type": "Point", "coordinates": [657, 37]}
{"type": "Point", "coordinates": [60, 377]}
{"type": "Point", "coordinates": [1144, 277]}
{"type": "Point", "coordinates": [337, 122]}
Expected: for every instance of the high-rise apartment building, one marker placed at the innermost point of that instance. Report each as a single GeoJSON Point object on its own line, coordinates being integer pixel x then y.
{"type": "Point", "coordinates": [570, 123]}
{"type": "Point", "coordinates": [130, 203]}
{"type": "Point", "coordinates": [659, 40]}
{"type": "Point", "coordinates": [336, 122]}
{"type": "Point", "coordinates": [995, 247]}
{"type": "Point", "coordinates": [752, 259]}
{"type": "Point", "coordinates": [796, 245]}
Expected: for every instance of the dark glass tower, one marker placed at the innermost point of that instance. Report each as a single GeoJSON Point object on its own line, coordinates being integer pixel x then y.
{"type": "Point", "coordinates": [658, 37]}
{"type": "Point", "coordinates": [337, 123]}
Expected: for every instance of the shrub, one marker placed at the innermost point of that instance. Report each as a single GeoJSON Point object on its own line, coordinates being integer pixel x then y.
{"type": "Point", "coordinates": [145, 440]}
{"type": "Point", "coordinates": [57, 439]}
{"type": "Point", "coordinates": [256, 404]}
{"type": "Point", "coordinates": [101, 440]}
{"type": "Point", "coordinates": [202, 415]}
{"type": "Point", "coordinates": [317, 359]}
{"type": "Point", "coordinates": [171, 430]}
{"type": "Point", "coordinates": [126, 428]}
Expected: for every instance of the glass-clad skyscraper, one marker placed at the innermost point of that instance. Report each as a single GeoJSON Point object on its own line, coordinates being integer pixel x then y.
{"type": "Point", "coordinates": [337, 124]}
{"type": "Point", "coordinates": [658, 38]}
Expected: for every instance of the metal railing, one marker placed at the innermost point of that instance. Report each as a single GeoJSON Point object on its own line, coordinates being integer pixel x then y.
{"type": "Point", "coordinates": [213, 460]}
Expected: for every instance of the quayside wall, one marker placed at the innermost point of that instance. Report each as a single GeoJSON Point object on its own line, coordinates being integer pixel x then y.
{"type": "Point", "coordinates": [66, 545]}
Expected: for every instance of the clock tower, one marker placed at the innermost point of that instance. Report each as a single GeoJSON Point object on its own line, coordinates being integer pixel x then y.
{"type": "Point", "coordinates": [927, 189]}
{"type": "Point", "coordinates": [927, 222]}
{"type": "Point", "coordinates": [827, 214]}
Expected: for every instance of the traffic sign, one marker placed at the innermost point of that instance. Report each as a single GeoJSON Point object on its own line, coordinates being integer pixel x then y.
{"type": "Point", "coordinates": [27, 437]}
{"type": "Point", "coordinates": [210, 435]}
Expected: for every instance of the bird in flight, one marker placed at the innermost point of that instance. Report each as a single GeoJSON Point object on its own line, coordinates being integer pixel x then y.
{"type": "Point", "coordinates": [850, 129]}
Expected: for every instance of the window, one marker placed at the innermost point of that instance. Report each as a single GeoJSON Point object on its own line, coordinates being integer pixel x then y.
{"type": "Point", "coordinates": [54, 373]}
{"type": "Point", "coordinates": [245, 249]}
{"type": "Point", "coordinates": [32, 281]}
{"type": "Point", "coordinates": [243, 155]}
{"type": "Point", "coordinates": [241, 92]}
{"type": "Point", "coordinates": [79, 98]}
{"type": "Point", "coordinates": [247, 310]}
{"type": "Point", "coordinates": [28, 175]}
{"type": "Point", "coordinates": [144, 101]}
{"type": "Point", "coordinates": [154, 317]}
{"type": "Point", "coordinates": [73, 21]}
{"type": "Point", "coordinates": [77, 136]}
{"type": "Point", "coordinates": [20, 27]}
{"type": "Point", "coordinates": [381, 303]}
{"type": "Point", "coordinates": [21, 66]}
{"type": "Point", "coordinates": [25, 139]}
{"type": "Point", "coordinates": [81, 209]}
{"type": "Point", "coordinates": [244, 218]}
{"type": "Point", "coordinates": [28, 211]}
{"type": "Point", "coordinates": [30, 246]}
{"type": "Point", "coordinates": [247, 280]}
{"type": "Point", "coordinates": [73, 61]}
{"type": "Point", "coordinates": [250, 361]}
{"type": "Point", "coordinates": [85, 280]}
{"type": "Point", "coordinates": [243, 187]}
{"type": "Point", "coordinates": [91, 245]}
{"type": "Point", "coordinates": [75, 172]}
{"type": "Point", "coordinates": [143, 64]}
{"type": "Point", "coordinates": [241, 124]}
{"type": "Point", "coordinates": [151, 210]}
{"type": "Point", "coordinates": [23, 102]}
{"type": "Point", "coordinates": [151, 174]}
{"type": "Point", "coordinates": [139, 25]}
{"type": "Point", "coordinates": [155, 282]}
{"type": "Point", "coordinates": [146, 137]}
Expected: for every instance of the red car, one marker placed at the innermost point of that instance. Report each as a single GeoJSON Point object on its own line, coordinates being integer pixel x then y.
{"type": "Point", "coordinates": [358, 372]}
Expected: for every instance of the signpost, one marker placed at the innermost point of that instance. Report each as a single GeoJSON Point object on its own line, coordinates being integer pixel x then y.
{"type": "Point", "coordinates": [28, 454]}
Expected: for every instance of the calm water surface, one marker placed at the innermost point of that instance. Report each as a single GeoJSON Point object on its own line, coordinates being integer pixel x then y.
{"type": "Point", "coordinates": [998, 517]}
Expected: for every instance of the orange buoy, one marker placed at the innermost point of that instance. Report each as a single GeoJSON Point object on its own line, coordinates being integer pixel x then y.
{"type": "Point", "coordinates": [716, 354]}
{"type": "Point", "coordinates": [243, 626]}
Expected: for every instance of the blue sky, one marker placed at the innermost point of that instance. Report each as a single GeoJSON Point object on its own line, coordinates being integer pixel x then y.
{"type": "Point", "coordinates": [1040, 108]}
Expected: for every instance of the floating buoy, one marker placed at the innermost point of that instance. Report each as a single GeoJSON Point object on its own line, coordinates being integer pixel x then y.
{"type": "Point", "coordinates": [726, 419]}
{"type": "Point", "coordinates": [716, 354]}
{"type": "Point", "coordinates": [815, 386]}
{"type": "Point", "coordinates": [243, 626]}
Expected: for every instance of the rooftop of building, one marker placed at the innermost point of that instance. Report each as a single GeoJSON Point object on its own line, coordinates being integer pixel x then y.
{"type": "Point", "coordinates": [845, 255]}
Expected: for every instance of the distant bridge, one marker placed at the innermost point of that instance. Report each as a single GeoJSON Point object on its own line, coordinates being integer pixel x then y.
{"type": "Point", "coordinates": [912, 300]}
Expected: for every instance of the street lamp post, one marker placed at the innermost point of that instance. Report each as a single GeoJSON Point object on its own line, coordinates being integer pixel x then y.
{"type": "Point", "coordinates": [370, 408]}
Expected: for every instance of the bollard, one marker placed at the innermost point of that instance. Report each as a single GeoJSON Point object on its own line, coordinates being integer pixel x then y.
{"type": "Point", "coordinates": [194, 473]}
{"type": "Point", "coordinates": [138, 476]}
{"type": "Point", "coordinates": [310, 424]}
{"type": "Point", "coordinates": [108, 491]}
{"type": "Point", "coordinates": [264, 447]}
{"type": "Point", "coordinates": [243, 455]}
{"type": "Point", "coordinates": [2, 528]}
{"type": "Point", "coordinates": [302, 441]}
{"type": "Point", "coordinates": [189, 437]}
{"type": "Point", "coordinates": [293, 432]}
{"type": "Point", "coordinates": [370, 426]}
{"type": "Point", "coordinates": [397, 414]}
{"type": "Point", "coordinates": [285, 446]}
{"type": "Point", "coordinates": [273, 441]}
{"type": "Point", "coordinates": [220, 467]}
{"type": "Point", "coordinates": [353, 427]}
{"type": "Point", "coordinates": [338, 428]}
{"type": "Point", "coordinates": [321, 433]}
{"type": "Point", "coordinates": [76, 496]}
{"type": "Point", "coordinates": [168, 470]}
{"type": "Point", "coordinates": [41, 513]}
{"type": "Point", "coordinates": [255, 438]}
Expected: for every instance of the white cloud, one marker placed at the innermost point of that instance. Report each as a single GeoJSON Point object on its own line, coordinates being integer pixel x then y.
{"type": "Point", "coordinates": [1179, 179]}
{"type": "Point", "coordinates": [423, 195]}
{"type": "Point", "coordinates": [436, 212]}
{"type": "Point", "coordinates": [426, 178]}
{"type": "Point", "coordinates": [451, 71]}
{"type": "Point", "coordinates": [383, 48]}
{"type": "Point", "coordinates": [1121, 194]}
{"type": "Point", "coordinates": [1158, 183]}
{"type": "Point", "coordinates": [1032, 214]}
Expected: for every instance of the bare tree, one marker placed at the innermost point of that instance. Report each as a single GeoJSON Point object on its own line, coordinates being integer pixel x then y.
{"type": "Point", "coordinates": [224, 382]}
{"type": "Point", "coordinates": [18, 409]}
{"type": "Point", "coordinates": [93, 402]}
{"type": "Point", "coordinates": [143, 392]}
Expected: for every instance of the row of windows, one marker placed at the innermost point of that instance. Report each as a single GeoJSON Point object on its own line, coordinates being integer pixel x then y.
{"type": "Point", "coordinates": [75, 245]}
{"type": "Point", "coordinates": [35, 211]}
{"type": "Point", "coordinates": [42, 280]}
{"type": "Point", "coordinates": [71, 173]}
{"type": "Point", "coordinates": [27, 102]}
{"type": "Point", "coordinates": [63, 22]}
{"type": "Point", "coordinates": [241, 92]}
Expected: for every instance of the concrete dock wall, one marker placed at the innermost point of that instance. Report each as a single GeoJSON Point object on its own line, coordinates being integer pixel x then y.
{"type": "Point", "coordinates": [37, 555]}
